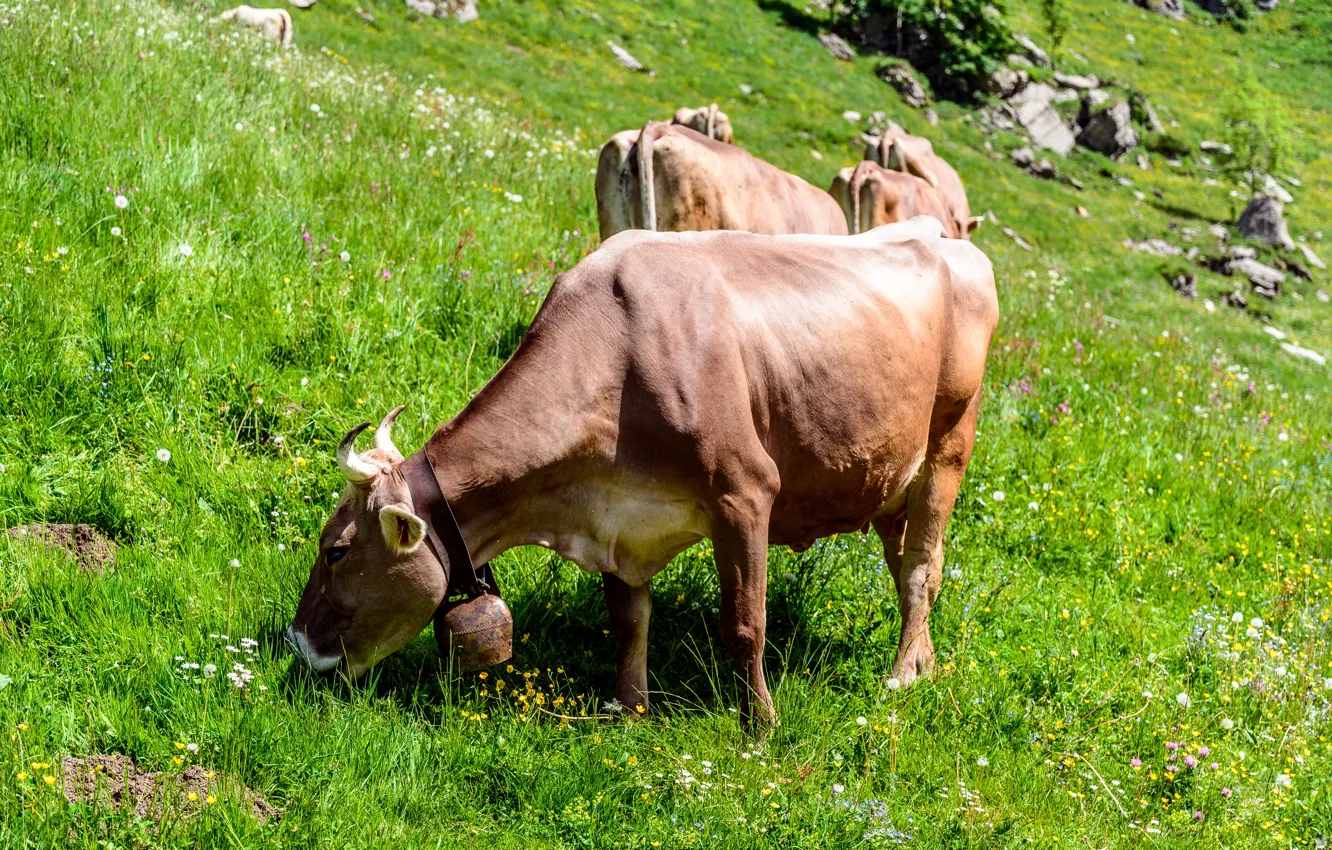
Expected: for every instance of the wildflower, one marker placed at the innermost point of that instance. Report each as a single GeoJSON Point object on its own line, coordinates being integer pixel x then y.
{"type": "Point", "coordinates": [192, 747]}
{"type": "Point", "coordinates": [1190, 762]}
{"type": "Point", "coordinates": [998, 495]}
{"type": "Point", "coordinates": [210, 800]}
{"type": "Point", "coordinates": [314, 107]}
{"type": "Point", "coordinates": [115, 231]}
{"type": "Point", "coordinates": [386, 274]}
{"type": "Point", "coordinates": [1283, 780]}
{"type": "Point", "coordinates": [893, 683]}
{"type": "Point", "coordinates": [1280, 671]}
{"type": "Point", "coordinates": [1033, 506]}
{"type": "Point", "coordinates": [955, 574]}
{"type": "Point", "coordinates": [345, 257]}
{"type": "Point", "coordinates": [1183, 699]}
{"type": "Point", "coordinates": [48, 779]}
{"type": "Point", "coordinates": [121, 202]}
{"type": "Point", "coordinates": [1135, 763]}
{"type": "Point", "coordinates": [1227, 724]}
{"type": "Point", "coordinates": [192, 796]}
{"type": "Point", "coordinates": [490, 154]}
{"type": "Point", "coordinates": [1237, 617]}
{"type": "Point", "coordinates": [306, 237]}
{"type": "Point", "coordinates": [1256, 622]}
{"type": "Point", "coordinates": [982, 761]}
{"type": "Point", "coordinates": [838, 788]}
{"type": "Point", "coordinates": [1172, 746]}
{"type": "Point", "coordinates": [62, 250]}
{"type": "Point", "coordinates": [186, 250]}
{"type": "Point", "coordinates": [861, 721]}
{"type": "Point", "coordinates": [614, 706]}
{"type": "Point", "coordinates": [164, 455]}
{"type": "Point", "coordinates": [1199, 816]}
{"type": "Point", "coordinates": [1226, 792]}
{"type": "Point", "coordinates": [22, 775]}
{"type": "Point", "coordinates": [235, 562]}
{"type": "Point", "coordinates": [209, 670]}
{"type": "Point", "coordinates": [1204, 752]}
{"type": "Point", "coordinates": [1251, 632]}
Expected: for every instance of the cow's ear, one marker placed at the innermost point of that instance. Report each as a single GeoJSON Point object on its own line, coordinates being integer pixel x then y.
{"type": "Point", "coordinates": [403, 530]}
{"type": "Point", "coordinates": [973, 223]}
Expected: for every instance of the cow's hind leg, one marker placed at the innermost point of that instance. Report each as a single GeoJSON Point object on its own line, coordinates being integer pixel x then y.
{"type": "Point", "coordinates": [929, 506]}
{"type": "Point", "coordinates": [629, 609]}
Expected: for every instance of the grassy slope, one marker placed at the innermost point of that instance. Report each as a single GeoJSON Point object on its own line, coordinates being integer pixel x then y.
{"type": "Point", "coordinates": [1158, 500]}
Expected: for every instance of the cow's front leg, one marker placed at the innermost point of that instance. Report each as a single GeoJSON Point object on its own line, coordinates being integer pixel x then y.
{"type": "Point", "coordinates": [742, 568]}
{"type": "Point", "coordinates": [929, 506]}
{"type": "Point", "coordinates": [629, 609]}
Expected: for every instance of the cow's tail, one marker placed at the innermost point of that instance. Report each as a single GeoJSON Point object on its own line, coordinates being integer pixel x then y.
{"type": "Point", "coordinates": [646, 189]}
{"type": "Point", "coordinates": [863, 171]}
{"type": "Point", "coordinates": [284, 31]}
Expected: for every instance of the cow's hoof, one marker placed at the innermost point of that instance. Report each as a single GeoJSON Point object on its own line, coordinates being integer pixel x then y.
{"type": "Point", "coordinates": [914, 664]}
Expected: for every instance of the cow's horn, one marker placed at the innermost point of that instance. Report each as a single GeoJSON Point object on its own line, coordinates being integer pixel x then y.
{"type": "Point", "coordinates": [384, 437]}
{"type": "Point", "coordinates": [356, 470]}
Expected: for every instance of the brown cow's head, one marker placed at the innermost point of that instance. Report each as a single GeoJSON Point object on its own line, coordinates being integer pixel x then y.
{"type": "Point", "coordinates": [373, 586]}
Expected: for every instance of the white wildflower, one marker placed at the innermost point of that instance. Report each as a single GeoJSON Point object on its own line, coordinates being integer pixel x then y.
{"type": "Point", "coordinates": [346, 258]}
{"type": "Point", "coordinates": [861, 721]}
{"type": "Point", "coordinates": [1183, 699]}
{"type": "Point", "coordinates": [838, 788]}
{"type": "Point", "coordinates": [998, 495]}
{"type": "Point", "coordinates": [1227, 724]}
{"type": "Point", "coordinates": [1237, 617]}
{"type": "Point", "coordinates": [1283, 780]}
{"type": "Point", "coordinates": [115, 231]}
{"type": "Point", "coordinates": [121, 202]}
{"type": "Point", "coordinates": [982, 762]}
{"type": "Point", "coordinates": [894, 683]}
{"type": "Point", "coordinates": [186, 250]}
{"type": "Point", "coordinates": [164, 455]}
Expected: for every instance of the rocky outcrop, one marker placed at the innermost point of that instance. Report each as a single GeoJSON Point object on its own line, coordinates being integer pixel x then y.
{"type": "Point", "coordinates": [1006, 82]}
{"type": "Point", "coordinates": [1173, 9]}
{"type": "Point", "coordinates": [1047, 129]}
{"type": "Point", "coordinates": [1110, 131]}
{"type": "Point", "coordinates": [1262, 220]}
{"type": "Point", "coordinates": [837, 46]}
{"type": "Point", "coordinates": [904, 83]}
{"type": "Point", "coordinates": [1033, 53]}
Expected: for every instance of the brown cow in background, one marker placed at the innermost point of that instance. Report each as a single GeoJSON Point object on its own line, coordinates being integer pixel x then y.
{"type": "Point", "coordinates": [669, 177]}
{"type": "Point", "coordinates": [898, 150]}
{"type": "Point", "coordinates": [708, 120]}
{"type": "Point", "coordinates": [871, 195]}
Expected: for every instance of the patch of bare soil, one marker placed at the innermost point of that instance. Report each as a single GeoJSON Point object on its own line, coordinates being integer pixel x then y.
{"type": "Point", "coordinates": [84, 543]}
{"type": "Point", "coordinates": [115, 781]}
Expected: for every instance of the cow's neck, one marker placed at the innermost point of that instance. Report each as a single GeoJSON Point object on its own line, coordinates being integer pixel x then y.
{"type": "Point", "coordinates": [504, 474]}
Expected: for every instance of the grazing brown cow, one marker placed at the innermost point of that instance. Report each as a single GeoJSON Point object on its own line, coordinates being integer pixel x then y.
{"type": "Point", "coordinates": [274, 24]}
{"type": "Point", "coordinates": [871, 196]}
{"type": "Point", "coordinates": [669, 177]}
{"type": "Point", "coordinates": [753, 390]}
{"type": "Point", "coordinates": [708, 120]}
{"type": "Point", "coordinates": [898, 150]}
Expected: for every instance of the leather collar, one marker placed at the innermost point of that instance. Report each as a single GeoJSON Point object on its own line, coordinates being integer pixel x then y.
{"type": "Point", "coordinates": [442, 533]}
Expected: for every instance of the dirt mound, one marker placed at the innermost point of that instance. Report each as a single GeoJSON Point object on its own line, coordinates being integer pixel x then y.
{"type": "Point", "coordinates": [116, 781]}
{"type": "Point", "coordinates": [86, 544]}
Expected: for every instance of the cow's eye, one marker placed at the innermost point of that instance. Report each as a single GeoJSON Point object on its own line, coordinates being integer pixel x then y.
{"type": "Point", "coordinates": [335, 554]}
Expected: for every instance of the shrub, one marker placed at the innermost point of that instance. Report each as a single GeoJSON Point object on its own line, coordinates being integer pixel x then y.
{"type": "Point", "coordinates": [1057, 20]}
{"type": "Point", "coordinates": [1258, 132]}
{"type": "Point", "coordinates": [956, 44]}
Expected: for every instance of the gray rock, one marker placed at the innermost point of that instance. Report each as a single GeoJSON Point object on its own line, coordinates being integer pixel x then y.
{"type": "Point", "coordinates": [1144, 163]}
{"type": "Point", "coordinates": [1242, 252]}
{"type": "Point", "coordinates": [1035, 93]}
{"type": "Point", "coordinates": [425, 7]}
{"type": "Point", "coordinates": [1016, 61]}
{"type": "Point", "coordinates": [1021, 243]}
{"type": "Point", "coordinates": [1074, 81]}
{"type": "Point", "coordinates": [1096, 98]}
{"type": "Point", "coordinates": [1185, 284]}
{"type": "Point", "coordinates": [1220, 231]}
{"type": "Point", "coordinates": [1145, 114]}
{"type": "Point", "coordinates": [1109, 132]}
{"type": "Point", "coordinates": [1045, 169]}
{"type": "Point", "coordinates": [837, 46]}
{"type": "Point", "coordinates": [1156, 247]}
{"type": "Point", "coordinates": [1322, 295]}
{"type": "Point", "coordinates": [1273, 189]}
{"type": "Point", "coordinates": [1066, 96]}
{"type": "Point", "coordinates": [931, 118]}
{"type": "Point", "coordinates": [1311, 257]}
{"type": "Point", "coordinates": [1047, 129]}
{"type": "Point", "coordinates": [1262, 220]}
{"type": "Point", "coordinates": [1235, 299]}
{"type": "Point", "coordinates": [466, 11]}
{"type": "Point", "coordinates": [905, 84]}
{"type": "Point", "coordinates": [624, 57]}
{"type": "Point", "coordinates": [1266, 5]}
{"type": "Point", "coordinates": [1034, 53]}
{"type": "Point", "coordinates": [1173, 9]}
{"type": "Point", "coordinates": [1024, 157]}
{"type": "Point", "coordinates": [1265, 279]}
{"type": "Point", "coordinates": [1208, 146]}
{"type": "Point", "coordinates": [1006, 82]}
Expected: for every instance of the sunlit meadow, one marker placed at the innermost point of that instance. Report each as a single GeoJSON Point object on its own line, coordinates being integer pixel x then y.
{"type": "Point", "coordinates": [216, 256]}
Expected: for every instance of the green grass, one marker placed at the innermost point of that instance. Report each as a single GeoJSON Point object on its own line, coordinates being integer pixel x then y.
{"type": "Point", "coordinates": [1162, 466]}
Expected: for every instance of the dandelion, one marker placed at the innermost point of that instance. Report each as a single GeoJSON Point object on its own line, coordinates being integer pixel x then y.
{"type": "Point", "coordinates": [998, 495]}
{"type": "Point", "coordinates": [62, 250]}
{"type": "Point", "coordinates": [1183, 699]}
{"type": "Point", "coordinates": [1033, 506]}
{"type": "Point", "coordinates": [314, 107]}
{"type": "Point", "coordinates": [861, 721]}
{"type": "Point", "coordinates": [121, 202]}
{"type": "Point", "coordinates": [955, 574]}
{"type": "Point", "coordinates": [209, 670]}
{"type": "Point", "coordinates": [186, 250]}
{"type": "Point", "coordinates": [346, 258]}
{"type": "Point", "coordinates": [838, 788]}
{"type": "Point", "coordinates": [239, 127]}
{"type": "Point", "coordinates": [1252, 632]}
{"type": "Point", "coordinates": [48, 779]}
{"type": "Point", "coordinates": [192, 747]}
{"type": "Point", "coordinates": [1256, 622]}
{"type": "Point", "coordinates": [982, 761]}
{"type": "Point", "coordinates": [115, 231]}
{"type": "Point", "coordinates": [894, 683]}
{"type": "Point", "coordinates": [164, 455]}
{"type": "Point", "coordinates": [1283, 780]}
{"type": "Point", "coordinates": [1237, 618]}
